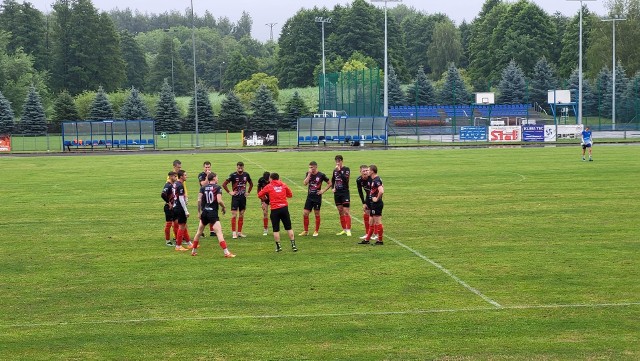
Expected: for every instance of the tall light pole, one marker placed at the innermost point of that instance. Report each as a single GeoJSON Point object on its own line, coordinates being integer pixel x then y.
{"type": "Point", "coordinates": [195, 79]}
{"type": "Point", "coordinates": [271, 25]}
{"type": "Point", "coordinates": [321, 20]}
{"type": "Point", "coordinates": [386, 57]}
{"type": "Point", "coordinates": [613, 99]}
{"type": "Point", "coordinates": [173, 85]}
{"type": "Point", "coordinates": [580, 65]}
{"type": "Point", "coordinates": [221, 64]}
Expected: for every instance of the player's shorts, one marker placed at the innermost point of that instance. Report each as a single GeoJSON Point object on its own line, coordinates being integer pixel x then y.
{"type": "Point", "coordinates": [280, 214]}
{"type": "Point", "coordinates": [265, 201]}
{"type": "Point", "coordinates": [180, 216]}
{"type": "Point", "coordinates": [586, 145]}
{"type": "Point", "coordinates": [375, 208]}
{"type": "Point", "coordinates": [341, 199]}
{"type": "Point", "coordinates": [238, 203]}
{"type": "Point", "coordinates": [209, 217]}
{"type": "Point", "coordinates": [313, 203]}
{"type": "Point", "coordinates": [169, 216]}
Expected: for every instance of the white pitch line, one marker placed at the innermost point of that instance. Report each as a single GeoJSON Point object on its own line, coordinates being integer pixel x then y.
{"type": "Point", "coordinates": [321, 315]}
{"type": "Point", "coordinates": [430, 261]}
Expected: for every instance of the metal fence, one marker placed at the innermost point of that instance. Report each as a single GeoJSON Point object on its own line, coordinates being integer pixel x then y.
{"type": "Point", "coordinates": [358, 93]}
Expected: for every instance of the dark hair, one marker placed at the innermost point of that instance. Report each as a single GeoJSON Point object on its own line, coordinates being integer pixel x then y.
{"type": "Point", "coordinates": [266, 175]}
{"type": "Point", "coordinates": [176, 162]}
{"type": "Point", "coordinates": [210, 176]}
{"type": "Point", "coordinates": [373, 168]}
{"type": "Point", "coordinates": [339, 157]}
{"type": "Point", "coordinates": [172, 173]}
{"type": "Point", "coordinates": [240, 164]}
{"type": "Point", "coordinates": [181, 172]}
{"type": "Point", "coordinates": [274, 176]}
{"type": "Point", "coordinates": [313, 162]}
{"type": "Point", "coordinates": [206, 162]}
{"type": "Point", "coordinates": [364, 166]}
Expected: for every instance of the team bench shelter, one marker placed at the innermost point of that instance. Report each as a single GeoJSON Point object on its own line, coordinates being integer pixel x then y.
{"type": "Point", "coordinates": [342, 130]}
{"type": "Point", "coordinates": [107, 134]}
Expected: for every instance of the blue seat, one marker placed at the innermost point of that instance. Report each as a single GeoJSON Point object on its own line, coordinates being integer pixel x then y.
{"type": "Point", "coordinates": [368, 137]}
{"type": "Point", "coordinates": [151, 141]}
{"type": "Point", "coordinates": [328, 138]}
{"type": "Point", "coordinates": [116, 142]}
{"type": "Point", "coordinates": [143, 141]}
{"type": "Point", "coordinates": [95, 142]}
{"type": "Point", "coordinates": [383, 137]}
{"type": "Point", "coordinates": [301, 138]}
{"type": "Point", "coordinates": [130, 142]}
{"type": "Point", "coordinates": [341, 138]}
{"type": "Point", "coordinates": [314, 139]}
{"type": "Point", "coordinates": [307, 138]}
{"type": "Point", "coordinates": [68, 143]}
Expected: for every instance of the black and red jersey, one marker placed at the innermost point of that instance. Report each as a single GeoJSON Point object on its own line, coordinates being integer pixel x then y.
{"type": "Point", "coordinates": [376, 183]}
{"type": "Point", "coordinates": [315, 183]}
{"type": "Point", "coordinates": [210, 196]}
{"type": "Point", "coordinates": [340, 179]}
{"type": "Point", "coordinates": [239, 182]}
{"type": "Point", "coordinates": [167, 193]}
{"type": "Point", "coordinates": [178, 190]}
{"type": "Point", "coordinates": [364, 188]}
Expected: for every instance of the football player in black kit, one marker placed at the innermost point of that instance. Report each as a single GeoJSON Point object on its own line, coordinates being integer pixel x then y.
{"type": "Point", "coordinates": [239, 192]}
{"type": "Point", "coordinates": [264, 202]}
{"type": "Point", "coordinates": [375, 205]}
{"type": "Point", "coordinates": [340, 185]}
{"type": "Point", "coordinates": [314, 180]}
{"type": "Point", "coordinates": [364, 188]}
{"type": "Point", "coordinates": [202, 180]}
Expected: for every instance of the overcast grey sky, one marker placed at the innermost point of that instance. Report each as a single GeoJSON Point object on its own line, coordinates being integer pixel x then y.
{"type": "Point", "coordinates": [278, 11]}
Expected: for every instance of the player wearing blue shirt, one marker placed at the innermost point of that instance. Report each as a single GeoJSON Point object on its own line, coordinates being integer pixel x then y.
{"type": "Point", "coordinates": [587, 142]}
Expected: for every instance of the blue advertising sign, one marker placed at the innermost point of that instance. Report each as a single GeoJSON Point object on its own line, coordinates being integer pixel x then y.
{"type": "Point", "coordinates": [533, 133]}
{"type": "Point", "coordinates": [473, 133]}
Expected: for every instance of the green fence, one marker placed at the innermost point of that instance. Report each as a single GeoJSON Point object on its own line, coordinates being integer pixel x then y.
{"type": "Point", "coordinates": [358, 93]}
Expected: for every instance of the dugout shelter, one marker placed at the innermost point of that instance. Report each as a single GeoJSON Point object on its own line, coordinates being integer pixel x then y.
{"type": "Point", "coordinates": [342, 130]}
{"type": "Point", "coordinates": [107, 134]}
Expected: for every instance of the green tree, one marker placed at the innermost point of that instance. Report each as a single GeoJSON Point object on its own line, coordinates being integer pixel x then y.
{"type": "Point", "coordinates": [243, 26]}
{"type": "Point", "coordinates": [589, 97]}
{"type": "Point", "coordinates": [294, 109]}
{"type": "Point", "coordinates": [265, 112]}
{"type": "Point", "coordinates": [64, 108]}
{"type": "Point", "coordinates": [17, 75]}
{"type": "Point", "coordinates": [570, 42]}
{"type": "Point", "coordinates": [630, 108]}
{"type": "Point", "coordinates": [421, 92]}
{"type": "Point", "coordinates": [454, 90]}
{"type": "Point", "coordinates": [513, 86]}
{"type": "Point", "coordinates": [169, 65]}
{"type": "Point", "coordinates": [101, 108]}
{"type": "Point", "coordinates": [481, 51]}
{"type": "Point", "coordinates": [543, 79]}
{"type": "Point", "coordinates": [240, 68]}
{"type": "Point", "coordinates": [136, 67]}
{"type": "Point", "coordinates": [622, 83]}
{"type": "Point", "coordinates": [33, 120]}
{"type": "Point", "coordinates": [445, 47]}
{"type": "Point", "coordinates": [395, 93]}
{"type": "Point", "coordinates": [206, 120]}
{"type": "Point", "coordinates": [27, 26]}
{"type": "Point", "coordinates": [134, 107]}
{"type": "Point", "coordinates": [167, 112]}
{"type": "Point", "coordinates": [560, 23]}
{"type": "Point", "coordinates": [603, 92]}
{"type": "Point", "coordinates": [417, 29]}
{"type": "Point", "coordinates": [360, 28]}
{"type": "Point", "coordinates": [7, 120]}
{"type": "Point", "coordinates": [232, 117]}
{"type": "Point", "coordinates": [465, 36]}
{"type": "Point", "coordinates": [247, 89]}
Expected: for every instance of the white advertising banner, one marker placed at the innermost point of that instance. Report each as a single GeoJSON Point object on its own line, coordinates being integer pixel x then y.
{"type": "Point", "coordinates": [549, 133]}
{"type": "Point", "coordinates": [569, 131]}
{"type": "Point", "coordinates": [505, 134]}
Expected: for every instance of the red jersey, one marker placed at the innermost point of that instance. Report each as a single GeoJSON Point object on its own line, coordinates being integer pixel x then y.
{"type": "Point", "coordinates": [278, 193]}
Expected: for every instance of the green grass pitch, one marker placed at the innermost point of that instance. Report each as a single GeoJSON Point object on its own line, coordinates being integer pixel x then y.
{"type": "Point", "coordinates": [490, 254]}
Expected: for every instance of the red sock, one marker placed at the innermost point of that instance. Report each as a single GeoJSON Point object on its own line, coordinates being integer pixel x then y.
{"type": "Point", "coordinates": [179, 237]}
{"type": "Point", "coordinates": [167, 230]}
{"type": "Point", "coordinates": [223, 244]}
{"type": "Point", "coordinates": [195, 244]}
{"type": "Point", "coordinates": [186, 237]}
{"type": "Point", "coordinates": [305, 219]}
{"type": "Point", "coordinates": [265, 222]}
{"type": "Point", "coordinates": [317, 223]}
{"type": "Point", "coordinates": [366, 223]}
{"type": "Point", "coordinates": [347, 221]}
{"type": "Point", "coordinates": [233, 224]}
{"type": "Point", "coordinates": [210, 227]}
{"type": "Point", "coordinates": [380, 231]}
{"type": "Point", "coordinates": [343, 222]}
{"type": "Point", "coordinates": [370, 231]}
{"type": "Point", "coordinates": [175, 229]}
{"type": "Point", "coordinates": [240, 222]}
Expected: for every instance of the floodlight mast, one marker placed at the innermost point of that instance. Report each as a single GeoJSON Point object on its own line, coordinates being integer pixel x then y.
{"type": "Point", "coordinates": [386, 58]}
{"type": "Point", "coordinates": [321, 20]}
{"type": "Point", "coordinates": [613, 70]}
{"type": "Point", "coordinates": [580, 65]}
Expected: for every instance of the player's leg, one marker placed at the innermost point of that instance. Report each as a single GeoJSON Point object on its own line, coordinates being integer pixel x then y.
{"type": "Point", "coordinates": [347, 217]}
{"type": "Point", "coordinates": [196, 239]}
{"type": "Point", "coordinates": [275, 227]}
{"type": "Point", "coordinates": [168, 218]}
{"type": "Point", "coordinates": [342, 224]}
{"type": "Point", "coordinates": [305, 219]}
{"type": "Point", "coordinates": [286, 223]}
{"type": "Point", "coordinates": [217, 229]}
{"type": "Point", "coordinates": [241, 209]}
{"type": "Point", "coordinates": [316, 211]}
{"type": "Point", "coordinates": [265, 217]}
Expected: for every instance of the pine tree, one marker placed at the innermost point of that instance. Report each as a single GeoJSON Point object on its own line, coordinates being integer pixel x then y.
{"type": "Point", "coordinates": [454, 90]}
{"type": "Point", "coordinates": [631, 100]}
{"type": "Point", "coordinates": [64, 108]}
{"type": "Point", "coordinates": [134, 107]}
{"type": "Point", "coordinates": [590, 104]}
{"type": "Point", "coordinates": [543, 80]}
{"type": "Point", "coordinates": [622, 82]}
{"type": "Point", "coordinates": [206, 121]}
{"type": "Point", "coordinates": [167, 113]}
{"type": "Point", "coordinates": [294, 109]}
{"type": "Point", "coordinates": [265, 113]}
{"type": "Point", "coordinates": [101, 108]}
{"type": "Point", "coordinates": [395, 93]}
{"type": "Point", "coordinates": [421, 92]}
{"type": "Point", "coordinates": [6, 116]}
{"type": "Point", "coordinates": [33, 121]}
{"type": "Point", "coordinates": [512, 86]}
{"type": "Point", "coordinates": [232, 117]}
{"type": "Point", "coordinates": [603, 92]}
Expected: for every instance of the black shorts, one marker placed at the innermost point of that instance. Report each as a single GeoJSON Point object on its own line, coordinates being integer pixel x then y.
{"type": "Point", "coordinates": [280, 214]}
{"type": "Point", "coordinates": [238, 203]}
{"type": "Point", "coordinates": [313, 203]}
{"type": "Point", "coordinates": [265, 201]}
{"type": "Point", "coordinates": [209, 217]}
{"type": "Point", "coordinates": [586, 145]}
{"type": "Point", "coordinates": [375, 208]}
{"type": "Point", "coordinates": [341, 199]}
{"type": "Point", "coordinates": [169, 216]}
{"type": "Point", "coordinates": [180, 216]}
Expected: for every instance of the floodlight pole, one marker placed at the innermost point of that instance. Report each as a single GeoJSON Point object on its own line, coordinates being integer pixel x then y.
{"type": "Point", "coordinates": [195, 79]}
{"type": "Point", "coordinates": [580, 66]}
{"type": "Point", "coordinates": [220, 85]}
{"type": "Point", "coordinates": [321, 20]}
{"type": "Point", "coordinates": [613, 99]}
{"type": "Point", "coordinates": [386, 58]}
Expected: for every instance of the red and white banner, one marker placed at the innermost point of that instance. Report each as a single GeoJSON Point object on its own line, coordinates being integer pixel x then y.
{"type": "Point", "coordinates": [505, 134]}
{"type": "Point", "coordinates": [5, 142]}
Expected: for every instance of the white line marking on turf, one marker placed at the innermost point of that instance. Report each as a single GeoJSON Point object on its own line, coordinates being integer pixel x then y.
{"type": "Point", "coordinates": [320, 315]}
{"type": "Point", "coordinates": [432, 262]}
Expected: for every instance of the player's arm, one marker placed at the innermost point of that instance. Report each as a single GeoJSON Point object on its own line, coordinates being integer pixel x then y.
{"type": "Point", "coordinates": [165, 195]}
{"type": "Point", "coordinates": [264, 191]}
{"type": "Point", "coordinates": [221, 203]}
{"type": "Point", "coordinates": [329, 185]}
{"type": "Point", "coordinates": [250, 185]}
{"type": "Point", "coordinates": [225, 185]}
{"type": "Point", "coordinates": [380, 193]}
{"type": "Point", "coordinates": [306, 179]}
{"type": "Point", "coordinates": [183, 201]}
{"type": "Point", "coordinates": [199, 203]}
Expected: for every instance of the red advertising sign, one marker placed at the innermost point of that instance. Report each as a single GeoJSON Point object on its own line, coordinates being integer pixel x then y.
{"type": "Point", "coordinates": [505, 134]}
{"type": "Point", "coordinates": [5, 143]}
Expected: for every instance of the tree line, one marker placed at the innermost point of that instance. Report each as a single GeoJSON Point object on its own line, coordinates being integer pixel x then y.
{"type": "Point", "coordinates": [75, 50]}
